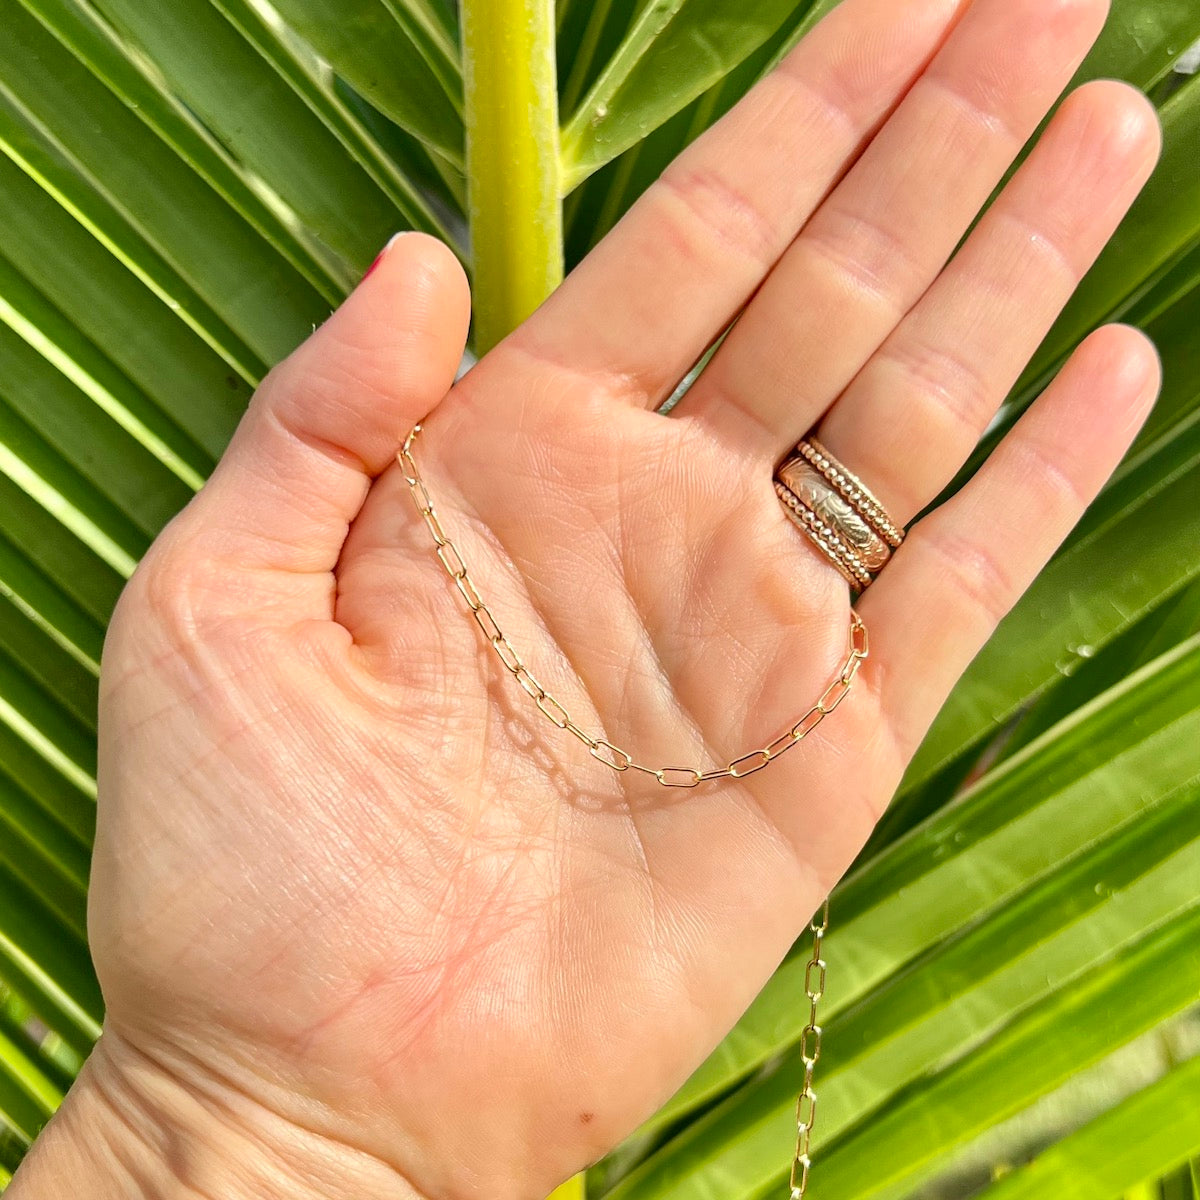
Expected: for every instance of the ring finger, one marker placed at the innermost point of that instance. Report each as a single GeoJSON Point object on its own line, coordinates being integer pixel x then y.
{"type": "Point", "coordinates": [911, 418]}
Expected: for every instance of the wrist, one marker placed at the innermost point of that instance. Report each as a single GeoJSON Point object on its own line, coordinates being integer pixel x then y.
{"type": "Point", "coordinates": [130, 1128]}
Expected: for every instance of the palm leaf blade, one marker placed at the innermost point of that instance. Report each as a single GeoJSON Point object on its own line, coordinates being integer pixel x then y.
{"type": "Point", "coordinates": [1143, 1138]}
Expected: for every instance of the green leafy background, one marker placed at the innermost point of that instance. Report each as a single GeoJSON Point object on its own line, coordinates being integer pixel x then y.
{"type": "Point", "coordinates": [189, 186]}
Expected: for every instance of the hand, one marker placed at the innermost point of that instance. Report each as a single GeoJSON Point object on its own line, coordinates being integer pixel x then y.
{"type": "Point", "coordinates": [349, 882]}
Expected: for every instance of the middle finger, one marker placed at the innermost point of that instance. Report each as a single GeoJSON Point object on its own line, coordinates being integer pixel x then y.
{"type": "Point", "coordinates": [884, 234]}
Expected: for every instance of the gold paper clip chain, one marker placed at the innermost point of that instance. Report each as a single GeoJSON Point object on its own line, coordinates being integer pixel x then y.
{"type": "Point", "coordinates": [687, 777]}
{"type": "Point", "coordinates": [810, 1051]}
{"type": "Point", "coordinates": [599, 748]}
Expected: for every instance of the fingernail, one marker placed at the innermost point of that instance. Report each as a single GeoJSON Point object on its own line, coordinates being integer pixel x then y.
{"type": "Point", "coordinates": [378, 260]}
{"type": "Point", "coordinates": [383, 253]}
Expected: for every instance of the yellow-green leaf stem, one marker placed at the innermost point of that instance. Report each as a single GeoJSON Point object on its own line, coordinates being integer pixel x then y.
{"type": "Point", "coordinates": [512, 160]}
{"type": "Point", "coordinates": [574, 1188]}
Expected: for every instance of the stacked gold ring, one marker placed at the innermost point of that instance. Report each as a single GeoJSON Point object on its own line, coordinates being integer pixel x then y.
{"type": "Point", "coordinates": [837, 512]}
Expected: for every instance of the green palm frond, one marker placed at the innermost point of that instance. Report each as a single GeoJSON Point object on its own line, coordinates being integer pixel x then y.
{"type": "Point", "coordinates": [189, 187]}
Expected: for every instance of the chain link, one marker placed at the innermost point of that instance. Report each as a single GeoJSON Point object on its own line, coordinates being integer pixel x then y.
{"type": "Point", "coordinates": [604, 751]}
{"type": "Point", "coordinates": [810, 1051]}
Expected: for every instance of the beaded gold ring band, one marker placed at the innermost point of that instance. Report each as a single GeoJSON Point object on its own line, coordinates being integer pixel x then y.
{"type": "Point", "coordinates": [837, 512]}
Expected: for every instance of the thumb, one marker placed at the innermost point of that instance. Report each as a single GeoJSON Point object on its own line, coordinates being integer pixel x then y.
{"type": "Point", "coordinates": [330, 417]}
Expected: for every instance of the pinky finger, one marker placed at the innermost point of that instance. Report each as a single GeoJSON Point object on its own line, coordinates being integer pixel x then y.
{"type": "Point", "coordinates": [968, 562]}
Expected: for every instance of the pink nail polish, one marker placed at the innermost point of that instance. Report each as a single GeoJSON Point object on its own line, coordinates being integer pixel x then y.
{"type": "Point", "coordinates": [378, 260]}
{"type": "Point", "coordinates": [383, 253]}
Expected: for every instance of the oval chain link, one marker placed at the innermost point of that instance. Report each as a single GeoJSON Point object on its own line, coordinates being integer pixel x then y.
{"type": "Point", "coordinates": [604, 751]}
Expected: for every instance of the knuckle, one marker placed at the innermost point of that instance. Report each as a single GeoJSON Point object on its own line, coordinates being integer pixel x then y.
{"type": "Point", "coordinates": [944, 378]}
{"type": "Point", "coordinates": [985, 113]}
{"type": "Point", "coordinates": [313, 398]}
{"type": "Point", "coordinates": [722, 213]}
{"type": "Point", "coordinates": [836, 102]}
{"type": "Point", "coordinates": [1044, 246]}
{"type": "Point", "coordinates": [863, 251]}
{"type": "Point", "coordinates": [166, 589]}
{"type": "Point", "coordinates": [155, 614]}
{"type": "Point", "coordinates": [842, 94]}
{"type": "Point", "coordinates": [974, 572]}
{"type": "Point", "coordinates": [1059, 492]}
{"type": "Point", "coordinates": [185, 616]}
{"type": "Point", "coordinates": [325, 381]}
{"type": "Point", "coordinates": [181, 587]}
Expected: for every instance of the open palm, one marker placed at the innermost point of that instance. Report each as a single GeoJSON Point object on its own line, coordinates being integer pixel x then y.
{"type": "Point", "coordinates": [347, 873]}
